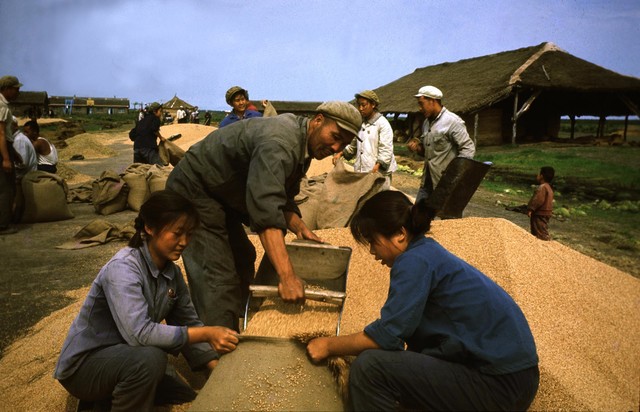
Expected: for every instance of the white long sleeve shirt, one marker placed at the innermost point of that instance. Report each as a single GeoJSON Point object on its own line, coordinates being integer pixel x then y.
{"type": "Point", "coordinates": [373, 145]}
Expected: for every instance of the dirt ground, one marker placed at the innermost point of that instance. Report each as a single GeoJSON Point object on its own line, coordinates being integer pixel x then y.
{"type": "Point", "coordinates": [36, 277]}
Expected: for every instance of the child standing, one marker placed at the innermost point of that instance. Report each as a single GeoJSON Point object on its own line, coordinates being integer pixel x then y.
{"type": "Point", "coordinates": [540, 206]}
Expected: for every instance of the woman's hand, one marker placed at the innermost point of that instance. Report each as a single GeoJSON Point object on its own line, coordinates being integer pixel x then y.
{"type": "Point", "coordinates": [223, 340]}
{"type": "Point", "coordinates": [318, 349]}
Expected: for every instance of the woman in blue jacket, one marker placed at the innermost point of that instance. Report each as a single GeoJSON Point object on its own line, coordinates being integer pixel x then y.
{"type": "Point", "coordinates": [448, 337]}
{"type": "Point", "coordinates": [116, 350]}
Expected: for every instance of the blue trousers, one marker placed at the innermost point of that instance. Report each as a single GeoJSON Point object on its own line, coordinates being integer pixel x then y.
{"type": "Point", "coordinates": [129, 375]}
{"type": "Point", "coordinates": [381, 380]}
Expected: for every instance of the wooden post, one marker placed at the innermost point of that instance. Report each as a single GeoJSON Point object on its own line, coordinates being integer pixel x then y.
{"type": "Point", "coordinates": [573, 125]}
{"type": "Point", "coordinates": [476, 119]}
{"type": "Point", "coordinates": [514, 120]}
{"type": "Point", "coordinates": [626, 124]}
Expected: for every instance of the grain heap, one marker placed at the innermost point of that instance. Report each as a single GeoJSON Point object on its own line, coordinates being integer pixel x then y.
{"type": "Point", "coordinates": [583, 313]}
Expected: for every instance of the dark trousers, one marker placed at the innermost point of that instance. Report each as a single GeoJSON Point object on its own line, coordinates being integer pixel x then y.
{"type": "Point", "coordinates": [382, 380]}
{"type": "Point", "coordinates": [539, 227]}
{"type": "Point", "coordinates": [147, 155]}
{"type": "Point", "coordinates": [220, 258]}
{"type": "Point", "coordinates": [129, 375]}
{"type": "Point", "coordinates": [7, 197]}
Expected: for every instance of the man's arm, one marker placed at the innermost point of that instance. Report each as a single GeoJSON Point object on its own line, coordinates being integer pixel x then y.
{"type": "Point", "coordinates": [460, 137]}
{"type": "Point", "coordinates": [323, 347]}
{"type": "Point", "coordinates": [290, 287]}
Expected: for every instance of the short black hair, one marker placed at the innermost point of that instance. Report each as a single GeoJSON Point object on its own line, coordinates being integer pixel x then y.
{"type": "Point", "coordinates": [33, 125]}
{"type": "Point", "coordinates": [548, 173]}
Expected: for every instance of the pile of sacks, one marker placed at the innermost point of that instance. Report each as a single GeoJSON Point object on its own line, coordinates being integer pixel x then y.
{"type": "Point", "coordinates": [113, 192]}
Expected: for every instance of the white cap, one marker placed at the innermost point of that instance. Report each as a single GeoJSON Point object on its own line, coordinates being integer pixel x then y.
{"type": "Point", "coordinates": [430, 92]}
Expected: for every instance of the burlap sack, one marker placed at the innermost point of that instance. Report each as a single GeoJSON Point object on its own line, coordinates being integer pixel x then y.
{"type": "Point", "coordinates": [109, 193]}
{"type": "Point", "coordinates": [170, 153]}
{"type": "Point", "coordinates": [45, 198]}
{"type": "Point", "coordinates": [157, 177]}
{"type": "Point", "coordinates": [136, 178]}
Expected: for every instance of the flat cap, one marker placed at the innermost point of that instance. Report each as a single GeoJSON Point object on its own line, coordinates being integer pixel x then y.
{"type": "Point", "coordinates": [232, 91]}
{"type": "Point", "coordinates": [9, 81]}
{"type": "Point", "coordinates": [154, 106]}
{"type": "Point", "coordinates": [430, 92]}
{"type": "Point", "coordinates": [345, 114]}
{"type": "Point", "coordinates": [369, 95]}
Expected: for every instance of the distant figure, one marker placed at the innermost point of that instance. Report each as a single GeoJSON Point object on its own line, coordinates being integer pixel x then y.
{"type": "Point", "coordinates": [9, 91]}
{"type": "Point", "coordinates": [238, 98]}
{"type": "Point", "coordinates": [444, 137]}
{"type": "Point", "coordinates": [207, 119]}
{"type": "Point", "coordinates": [141, 114]}
{"type": "Point", "coordinates": [145, 147]}
{"type": "Point", "coordinates": [137, 311]}
{"type": "Point", "coordinates": [181, 115]}
{"type": "Point", "coordinates": [195, 116]}
{"type": "Point", "coordinates": [45, 150]}
{"type": "Point", "coordinates": [540, 207]}
{"type": "Point", "coordinates": [373, 148]}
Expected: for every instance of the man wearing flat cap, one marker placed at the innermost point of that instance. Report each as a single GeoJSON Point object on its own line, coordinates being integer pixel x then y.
{"type": "Point", "coordinates": [373, 149]}
{"type": "Point", "coordinates": [444, 137]}
{"type": "Point", "coordinates": [248, 173]}
{"type": "Point", "coordinates": [238, 99]}
{"type": "Point", "coordinates": [9, 90]}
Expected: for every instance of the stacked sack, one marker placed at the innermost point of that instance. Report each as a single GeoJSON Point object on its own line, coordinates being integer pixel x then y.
{"type": "Point", "coordinates": [142, 180]}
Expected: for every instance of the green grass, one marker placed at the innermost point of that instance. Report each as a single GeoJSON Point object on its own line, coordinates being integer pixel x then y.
{"type": "Point", "coordinates": [615, 165]}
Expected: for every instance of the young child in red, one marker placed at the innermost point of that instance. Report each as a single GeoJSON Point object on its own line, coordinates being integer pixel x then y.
{"type": "Point", "coordinates": [540, 207]}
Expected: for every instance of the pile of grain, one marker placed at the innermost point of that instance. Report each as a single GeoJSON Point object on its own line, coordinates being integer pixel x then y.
{"type": "Point", "coordinates": [90, 145]}
{"type": "Point", "coordinates": [191, 133]}
{"type": "Point", "coordinates": [584, 316]}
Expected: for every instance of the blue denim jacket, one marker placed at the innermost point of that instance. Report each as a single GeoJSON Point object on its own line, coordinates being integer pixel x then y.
{"type": "Point", "coordinates": [127, 302]}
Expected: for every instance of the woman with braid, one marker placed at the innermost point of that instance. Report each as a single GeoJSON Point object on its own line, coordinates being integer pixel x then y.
{"type": "Point", "coordinates": [448, 337]}
{"type": "Point", "coordinates": [115, 354]}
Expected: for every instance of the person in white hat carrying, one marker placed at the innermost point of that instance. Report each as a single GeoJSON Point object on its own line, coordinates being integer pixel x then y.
{"type": "Point", "coordinates": [444, 137]}
{"type": "Point", "coordinates": [248, 173]}
{"type": "Point", "coordinates": [373, 149]}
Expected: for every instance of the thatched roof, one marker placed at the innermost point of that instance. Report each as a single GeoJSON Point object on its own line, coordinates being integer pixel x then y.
{"type": "Point", "coordinates": [284, 106]}
{"type": "Point", "coordinates": [472, 84]}
{"type": "Point", "coordinates": [31, 98]}
{"type": "Point", "coordinates": [175, 103]}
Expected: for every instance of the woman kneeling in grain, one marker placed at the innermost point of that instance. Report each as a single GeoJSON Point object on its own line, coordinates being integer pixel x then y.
{"type": "Point", "coordinates": [448, 337]}
{"type": "Point", "coordinates": [116, 350]}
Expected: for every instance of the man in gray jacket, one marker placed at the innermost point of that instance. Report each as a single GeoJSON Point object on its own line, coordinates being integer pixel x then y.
{"type": "Point", "coordinates": [248, 173]}
{"type": "Point", "coordinates": [444, 137]}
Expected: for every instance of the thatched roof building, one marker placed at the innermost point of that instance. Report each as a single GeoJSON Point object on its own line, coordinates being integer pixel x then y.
{"type": "Point", "coordinates": [295, 107]}
{"type": "Point", "coordinates": [30, 104]}
{"type": "Point", "coordinates": [171, 106]}
{"type": "Point", "coordinates": [533, 85]}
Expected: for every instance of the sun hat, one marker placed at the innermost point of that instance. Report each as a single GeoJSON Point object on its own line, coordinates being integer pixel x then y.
{"type": "Point", "coordinates": [430, 92]}
{"type": "Point", "coordinates": [345, 114]}
{"type": "Point", "coordinates": [369, 95]}
{"type": "Point", "coordinates": [9, 81]}
{"type": "Point", "coordinates": [232, 91]}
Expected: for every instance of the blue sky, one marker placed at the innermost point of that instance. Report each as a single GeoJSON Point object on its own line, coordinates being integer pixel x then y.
{"type": "Point", "coordinates": [287, 50]}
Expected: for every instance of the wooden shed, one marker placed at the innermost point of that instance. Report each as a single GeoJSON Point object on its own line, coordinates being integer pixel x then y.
{"type": "Point", "coordinates": [517, 95]}
{"type": "Point", "coordinates": [31, 104]}
{"type": "Point", "coordinates": [67, 105]}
